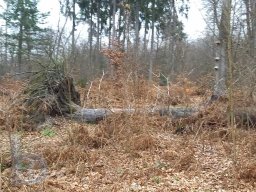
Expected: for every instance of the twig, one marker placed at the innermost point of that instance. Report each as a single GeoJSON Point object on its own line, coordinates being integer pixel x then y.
{"type": "Point", "coordinates": [87, 96]}
{"type": "Point", "coordinates": [167, 81]}
{"type": "Point", "coordinates": [158, 76]}
{"type": "Point", "coordinates": [77, 167]}
{"type": "Point", "coordinates": [157, 96]}
{"type": "Point", "coordinates": [191, 71]}
{"type": "Point", "coordinates": [94, 166]}
{"type": "Point", "coordinates": [101, 79]}
{"type": "Point", "coordinates": [129, 76]}
{"type": "Point", "coordinates": [157, 87]}
{"type": "Point", "coordinates": [26, 72]}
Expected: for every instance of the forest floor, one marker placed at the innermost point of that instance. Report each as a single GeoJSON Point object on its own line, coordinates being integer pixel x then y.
{"type": "Point", "coordinates": [135, 152]}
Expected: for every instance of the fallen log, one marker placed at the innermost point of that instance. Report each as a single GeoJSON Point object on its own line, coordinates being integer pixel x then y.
{"type": "Point", "coordinates": [90, 115]}
{"type": "Point", "coordinates": [178, 112]}
{"type": "Point", "coordinates": [95, 115]}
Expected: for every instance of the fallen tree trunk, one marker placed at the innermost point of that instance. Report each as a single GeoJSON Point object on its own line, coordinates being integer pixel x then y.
{"type": "Point", "coordinates": [243, 119]}
{"type": "Point", "coordinates": [95, 115]}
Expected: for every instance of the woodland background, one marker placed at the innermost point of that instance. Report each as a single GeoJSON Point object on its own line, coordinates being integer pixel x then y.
{"type": "Point", "coordinates": [136, 60]}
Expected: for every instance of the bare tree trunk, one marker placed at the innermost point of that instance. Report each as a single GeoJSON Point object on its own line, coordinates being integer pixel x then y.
{"type": "Point", "coordinates": [6, 43]}
{"type": "Point", "coordinates": [90, 43]}
{"type": "Point", "coordinates": [28, 62]}
{"type": "Point", "coordinates": [98, 26]}
{"type": "Point", "coordinates": [151, 52]}
{"type": "Point", "coordinates": [20, 42]}
{"type": "Point", "coordinates": [230, 66]}
{"type": "Point", "coordinates": [95, 115]}
{"type": "Point", "coordinates": [145, 37]}
{"type": "Point", "coordinates": [110, 26]}
{"type": "Point", "coordinates": [125, 27]}
{"type": "Point", "coordinates": [128, 30]}
{"type": "Point", "coordinates": [251, 24]}
{"type": "Point", "coordinates": [145, 53]}
{"type": "Point", "coordinates": [73, 32]}
{"type": "Point", "coordinates": [137, 9]}
{"type": "Point", "coordinates": [119, 26]}
{"type": "Point", "coordinates": [152, 45]}
{"type": "Point", "coordinates": [253, 12]}
{"type": "Point", "coordinates": [98, 35]}
{"type": "Point", "coordinates": [114, 21]}
{"type": "Point", "coordinates": [220, 89]}
{"type": "Point", "coordinates": [220, 84]}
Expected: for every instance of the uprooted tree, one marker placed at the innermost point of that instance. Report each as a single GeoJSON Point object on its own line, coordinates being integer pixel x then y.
{"type": "Point", "coordinates": [51, 92]}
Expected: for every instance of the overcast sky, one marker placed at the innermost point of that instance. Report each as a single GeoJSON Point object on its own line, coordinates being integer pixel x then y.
{"type": "Point", "coordinates": [194, 25]}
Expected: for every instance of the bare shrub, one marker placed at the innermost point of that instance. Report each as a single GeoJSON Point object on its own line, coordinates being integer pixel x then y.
{"type": "Point", "coordinates": [247, 172]}
{"type": "Point", "coordinates": [65, 155]}
{"type": "Point", "coordinates": [186, 160]}
{"type": "Point", "coordinates": [180, 155]}
{"type": "Point", "coordinates": [121, 126]}
{"type": "Point", "coordinates": [170, 155]}
{"type": "Point", "coordinates": [252, 147]}
{"type": "Point", "coordinates": [80, 136]}
{"type": "Point", "coordinates": [142, 142]}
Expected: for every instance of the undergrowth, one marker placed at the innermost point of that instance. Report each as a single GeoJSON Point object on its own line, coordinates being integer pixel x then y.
{"type": "Point", "coordinates": [174, 143]}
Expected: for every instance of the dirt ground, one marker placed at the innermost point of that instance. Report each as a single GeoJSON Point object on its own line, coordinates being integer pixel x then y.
{"type": "Point", "coordinates": [132, 152]}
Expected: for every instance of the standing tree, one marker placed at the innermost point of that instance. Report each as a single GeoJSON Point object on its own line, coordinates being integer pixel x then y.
{"type": "Point", "coordinates": [171, 29]}
{"type": "Point", "coordinates": [124, 19]}
{"type": "Point", "coordinates": [222, 54]}
{"type": "Point", "coordinates": [68, 9]}
{"type": "Point", "coordinates": [22, 22]}
{"type": "Point", "coordinates": [250, 6]}
{"type": "Point", "coordinates": [153, 15]}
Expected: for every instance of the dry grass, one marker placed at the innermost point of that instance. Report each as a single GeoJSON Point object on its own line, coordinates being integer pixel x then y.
{"type": "Point", "coordinates": [248, 172]}
{"type": "Point", "coordinates": [139, 148]}
{"type": "Point", "coordinates": [80, 136]}
{"type": "Point", "coordinates": [65, 156]}
{"type": "Point", "coordinates": [142, 142]}
{"type": "Point", "coordinates": [182, 159]}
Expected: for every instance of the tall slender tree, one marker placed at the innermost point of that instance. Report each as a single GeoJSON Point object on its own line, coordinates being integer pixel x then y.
{"type": "Point", "coordinates": [68, 9]}
{"type": "Point", "coordinates": [250, 6]}
{"type": "Point", "coordinates": [152, 40]}
{"type": "Point", "coordinates": [223, 48]}
{"type": "Point", "coordinates": [22, 22]}
{"type": "Point", "coordinates": [124, 19]}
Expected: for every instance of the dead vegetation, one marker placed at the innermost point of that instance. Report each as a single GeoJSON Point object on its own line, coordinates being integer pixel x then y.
{"type": "Point", "coordinates": [49, 92]}
{"type": "Point", "coordinates": [137, 152]}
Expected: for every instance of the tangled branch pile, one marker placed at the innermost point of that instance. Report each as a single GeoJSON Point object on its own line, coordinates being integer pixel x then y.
{"type": "Point", "coordinates": [51, 92]}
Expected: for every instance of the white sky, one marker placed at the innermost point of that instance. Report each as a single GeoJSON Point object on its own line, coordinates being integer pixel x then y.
{"type": "Point", "coordinates": [194, 25]}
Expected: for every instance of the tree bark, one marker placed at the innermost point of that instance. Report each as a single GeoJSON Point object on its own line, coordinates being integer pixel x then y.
{"type": "Point", "coordinates": [110, 26]}
{"type": "Point", "coordinates": [20, 42]}
{"type": "Point", "coordinates": [152, 43]}
{"type": "Point", "coordinates": [253, 12]}
{"type": "Point", "coordinates": [220, 89]}
{"type": "Point", "coordinates": [120, 15]}
{"type": "Point", "coordinates": [95, 115]}
{"type": "Point", "coordinates": [137, 9]}
{"type": "Point", "coordinates": [90, 43]}
{"type": "Point", "coordinates": [98, 35]}
{"type": "Point", "coordinates": [73, 32]}
{"type": "Point", "coordinates": [114, 21]}
{"type": "Point", "coordinates": [250, 6]}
